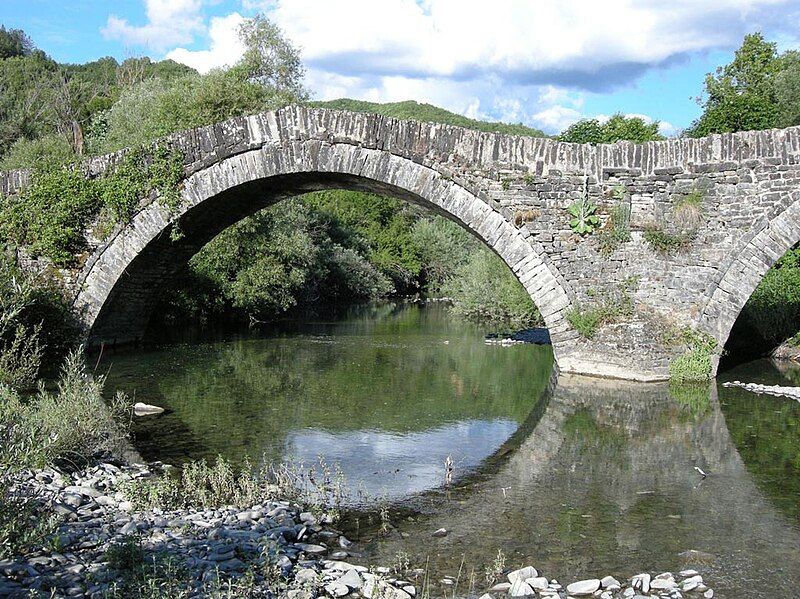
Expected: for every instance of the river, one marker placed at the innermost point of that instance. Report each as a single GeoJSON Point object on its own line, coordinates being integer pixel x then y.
{"type": "Point", "coordinates": [576, 476]}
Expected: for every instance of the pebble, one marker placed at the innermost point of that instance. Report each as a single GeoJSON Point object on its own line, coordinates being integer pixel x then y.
{"type": "Point", "coordinates": [225, 543]}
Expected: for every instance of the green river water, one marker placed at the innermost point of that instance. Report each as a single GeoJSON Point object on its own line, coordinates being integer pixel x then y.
{"type": "Point", "coordinates": [576, 476]}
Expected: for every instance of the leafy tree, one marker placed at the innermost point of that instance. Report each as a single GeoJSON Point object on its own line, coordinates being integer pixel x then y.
{"type": "Point", "coordinates": [787, 89]}
{"type": "Point", "coordinates": [14, 42]}
{"type": "Point", "coordinates": [616, 128]}
{"type": "Point", "coordinates": [741, 96]}
{"type": "Point", "coordinates": [271, 61]}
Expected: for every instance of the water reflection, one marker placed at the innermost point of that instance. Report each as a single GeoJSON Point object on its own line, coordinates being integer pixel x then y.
{"type": "Point", "coordinates": [605, 483]}
{"type": "Point", "coordinates": [588, 477]}
{"type": "Point", "coordinates": [386, 393]}
{"type": "Point", "coordinates": [391, 466]}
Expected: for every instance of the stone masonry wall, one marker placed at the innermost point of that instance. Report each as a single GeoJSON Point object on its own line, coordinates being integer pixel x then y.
{"type": "Point", "coordinates": [512, 192]}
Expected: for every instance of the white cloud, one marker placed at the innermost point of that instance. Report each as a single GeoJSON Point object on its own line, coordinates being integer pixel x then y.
{"type": "Point", "coordinates": [169, 22]}
{"type": "Point", "coordinates": [225, 48]}
{"type": "Point", "coordinates": [581, 43]}
{"type": "Point", "coordinates": [515, 60]}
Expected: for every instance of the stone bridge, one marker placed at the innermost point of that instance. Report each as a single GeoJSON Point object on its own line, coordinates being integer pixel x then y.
{"type": "Point", "coordinates": [728, 205]}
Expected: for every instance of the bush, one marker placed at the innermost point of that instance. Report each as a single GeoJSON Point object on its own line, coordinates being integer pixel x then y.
{"type": "Point", "coordinates": [69, 426]}
{"type": "Point", "coordinates": [663, 242]}
{"type": "Point", "coordinates": [694, 364]}
{"type": "Point", "coordinates": [485, 289]}
{"type": "Point", "coordinates": [50, 216]}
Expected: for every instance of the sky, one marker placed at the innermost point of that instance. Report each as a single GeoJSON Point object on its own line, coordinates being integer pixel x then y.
{"type": "Point", "coordinates": [545, 63]}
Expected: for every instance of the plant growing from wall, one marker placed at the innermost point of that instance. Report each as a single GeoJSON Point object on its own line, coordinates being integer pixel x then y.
{"type": "Point", "coordinates": [584, 220]}
{"type": "Point", "coordinates": [687, 217]}
{"type": "Point", "coordinates": [694, 364]}
{"type": "Point", "coordinates": [50, 216]}
{"type": "Point", "coordinates": [618, 227]}
{"type": "Point", "coordinates": [606, 308]}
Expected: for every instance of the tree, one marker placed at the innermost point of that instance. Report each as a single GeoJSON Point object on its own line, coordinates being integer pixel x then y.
{"type": "Point", "coordinates": [740, 96]}
{"type": "Point", "coordinates": [14, 42]}
{"type": "Point", "coordinates": [787, 89]}
{"type": "Point", "coordinates": [271, 60]}
{"type": "Point", "coordinates": [616, 128]}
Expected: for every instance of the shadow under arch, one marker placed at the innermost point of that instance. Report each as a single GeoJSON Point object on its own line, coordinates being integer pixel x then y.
{"type": "Point", "coordinates": [120, 280]}
{"type": "Point", "coordinates": [767, 241]}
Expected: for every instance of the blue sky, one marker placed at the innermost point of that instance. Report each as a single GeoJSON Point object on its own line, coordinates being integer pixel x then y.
{"type": "Point", "coordinates": [546, 63]}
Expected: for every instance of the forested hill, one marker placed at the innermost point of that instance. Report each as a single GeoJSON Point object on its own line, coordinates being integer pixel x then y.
{"type": "Point", "coordinates": [411, 110]}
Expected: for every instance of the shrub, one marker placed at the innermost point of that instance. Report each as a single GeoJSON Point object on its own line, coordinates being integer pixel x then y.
{"type": "Point", "coordinates": [485, 289]}
{"type": "Point", "coordinates": [50, 215]}
{"type": "Point", "coordinates": [68, 426]}
{"type": "Point", "coordinates": [694, 364]}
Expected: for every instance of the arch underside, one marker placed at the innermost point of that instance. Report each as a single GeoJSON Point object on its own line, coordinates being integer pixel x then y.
{"type": "Point", "coordinates": [121, 281]}
{"type": "Point", "coordinates": [764, 246]}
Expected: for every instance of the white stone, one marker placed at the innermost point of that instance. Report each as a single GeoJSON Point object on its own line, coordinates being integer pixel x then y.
{"type": "Point", "coordinates": [522, 574]}
{"type": "Point", "coordinates": [520, 588]}
{"type": "Point", "coordinates": [583, 587]}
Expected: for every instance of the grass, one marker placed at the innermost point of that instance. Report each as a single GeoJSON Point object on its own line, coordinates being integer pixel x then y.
{"type": "Point", "coordinates": [664, 243]}
{"type": "Point", "coordinates": [694, 364]}
{"type": "Point", "coordinates": [617, 229]}
{"type": "Point", "coordinates": [606, 308]}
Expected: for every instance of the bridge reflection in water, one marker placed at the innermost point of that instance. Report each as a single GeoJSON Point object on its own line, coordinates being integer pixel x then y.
{"type": "Point", "coordinates": [603, 482]}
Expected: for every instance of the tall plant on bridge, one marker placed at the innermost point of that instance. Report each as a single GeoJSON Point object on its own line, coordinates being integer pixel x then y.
{"type": "Point", "coordinates": [584, 220]}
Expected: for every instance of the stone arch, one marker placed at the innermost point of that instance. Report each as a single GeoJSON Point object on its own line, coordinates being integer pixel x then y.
{"type": "Point", "coordinates": [117, 284]}
{"type": "Point", "coordinates": [760, 248]}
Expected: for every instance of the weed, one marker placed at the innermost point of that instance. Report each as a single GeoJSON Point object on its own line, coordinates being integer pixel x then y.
{"type": "Point", "coordinates": [495, 570]}
{"type": "Point", "coordinates": [607, 307]}
{"type": "Point", "coordinates": [505, 184]}
{"type": "Point", "coordinates": [617, 229]}
{"type": "Point", "coordinates": [666, 243]}
{"type": "Point", "coordinates": [694, 364]}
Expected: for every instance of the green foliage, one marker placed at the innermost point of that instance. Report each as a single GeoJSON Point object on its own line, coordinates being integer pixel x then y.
{"type": "Point", "coordinates": [442, 247]}
{"type": "Point", "coordinates": [607, 307]}
{"type": "Point", "coordinates": [666, 243]}
{"type": "Point", "coordinates": [51, 214]}
{"type": "Point", "coordinates": [14, 42]}
{"type": "Point", "coordinates": [198, 484]}
{"type": "Point", "coordinates": [772, 313]}
{"type": "Point", "coordinates": [485, 289]}
{"type": "Point", "coordinates": [694, 364]}
{"type": "Point", "coordinates": [69, 425]}
{"type": "Point", "coordinates": [584, 220]}
{"type": "Point", "coordinates": [741, 95]}
{"type": "Point", "coordinates": [616, 128]}
{"type": "Point", "coordinates": [43, 153]}
{"type": "Point", "coordinates": [617, 229]}
{"type": "Point", "coordinates": [787, 89]}
{"type": "Point", "coordinates": [410, 110]}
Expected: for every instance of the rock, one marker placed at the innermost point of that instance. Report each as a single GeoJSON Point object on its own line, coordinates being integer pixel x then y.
{"type": "Point", "coordinates": [352, 579]}
{"type": "Point", "coordinates": [129, 529]}
{"type": "Point", "coordinates": [143, 409]}
{"type": "Point", "coordinates": [522, 574]}
{"type": "Point", "coordinates": [336, 589]}
{"type": "Point", "coordinates": [500, 587]}
{"type": "Point", "coordinates": [304, 575]}
{"type": "Point", "coordinates": [520, 588]}
{"type": "Point", "coordinates": [311, 548]}
{"type": "Point", "coordinates": [688, 573]}
{"type": "Point", "coordinates": [537, 583]}
{"type": "Point", "coordinates": [611, 583]}
{"type": "Point", "coordinates": [709, 594]}
{"type": "Point", "coordinates": [583, 587]}
{"type": "Point", "coordinates": [442, 532]}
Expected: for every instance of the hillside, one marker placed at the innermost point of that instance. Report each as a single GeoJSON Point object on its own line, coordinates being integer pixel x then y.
{"type": "Point", "coordinates": [428, 113]}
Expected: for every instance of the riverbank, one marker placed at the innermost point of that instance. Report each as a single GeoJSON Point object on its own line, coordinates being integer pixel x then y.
{"type": "Point", "coordinates": [102, 547]}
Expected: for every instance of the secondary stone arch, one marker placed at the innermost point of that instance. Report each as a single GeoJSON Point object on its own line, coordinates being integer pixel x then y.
{"type": "Point", "coordinates": [121, 278]}
{"type": "Point", "coordinates": [768, 240]}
